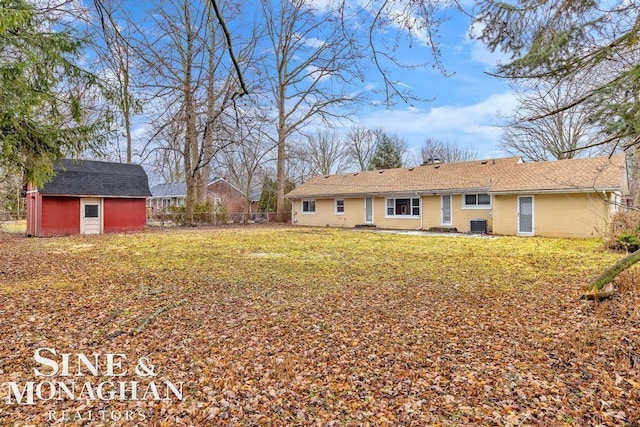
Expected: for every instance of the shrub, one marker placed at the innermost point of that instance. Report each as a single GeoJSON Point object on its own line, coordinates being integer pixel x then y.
{"type": "Point", "coordinates": [629, 241]}
{"type": "Point", "coordinates": [624, 231]}
{"type": "Point", "coordinates": [220, 213]}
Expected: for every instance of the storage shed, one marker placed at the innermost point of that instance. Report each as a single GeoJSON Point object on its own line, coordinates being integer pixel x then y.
{"type": "Point", "coordinates": [88, 197]}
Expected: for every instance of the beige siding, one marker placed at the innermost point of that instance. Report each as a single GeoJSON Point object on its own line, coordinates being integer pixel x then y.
{"type": "Point", "coordinates": [505, 214]}
{"type": "Point", "coordinates": [431, 212]}
{"type": "Point", "coordinates": [379, 216]}
{"type": "Point", "coordinates": [353, 215]}
{"type": "Point", "coordinates": [555, 215]}
{"type": "Point", "coordinates": [324, 215]}
{"type": "Point", "coordinates": [460, 217]}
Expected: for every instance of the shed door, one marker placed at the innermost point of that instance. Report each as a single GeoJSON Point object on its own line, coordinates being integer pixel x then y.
{"type": "Point", "coordinates": [90, 216]}
{"type": "Point", "coordinates": [525, 215]}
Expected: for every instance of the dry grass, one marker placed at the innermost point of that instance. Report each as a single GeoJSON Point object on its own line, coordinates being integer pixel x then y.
{"type": "Point", "coordinates": [318, 326]}
{"type": "Point", "coordinates": [13, 226]}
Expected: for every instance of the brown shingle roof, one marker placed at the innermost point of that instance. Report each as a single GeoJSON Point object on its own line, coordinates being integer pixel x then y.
{"type": "Point", "coordinates": [499, 175]}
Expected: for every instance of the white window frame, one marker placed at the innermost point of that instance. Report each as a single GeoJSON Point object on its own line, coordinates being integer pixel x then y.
{"type": "Point", "coordinates": [336, 211]}
{"type": "Point", "coordinates": [411, 207]}
{"type": "Point", "coordinates": [476, 206]}
{"type": "Point", "coordinates": [308, 212]}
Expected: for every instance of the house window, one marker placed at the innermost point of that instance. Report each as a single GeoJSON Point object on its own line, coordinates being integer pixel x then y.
{"type": "Point", "coordinates": [403, 207]}
{"type": "Point", "coordinates": [309, 206]}
{"type": "Point", "coordinates": [479, 201]}
{"type": "Point", "coordinates": [339, 206]}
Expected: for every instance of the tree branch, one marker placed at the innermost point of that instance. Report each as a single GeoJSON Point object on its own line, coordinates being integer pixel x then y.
{"type": "Point", "coordinates": [234, 60]}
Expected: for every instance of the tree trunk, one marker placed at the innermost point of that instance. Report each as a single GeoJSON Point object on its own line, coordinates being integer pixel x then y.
{"type": "Point", "coordinates": [191, 157]}
{"type": "Point", "coordinates": [595, 287]}
{"type": "Point", "coordinates": [191, 200]}
{"type": "Point", "coordinates": [280, 169]}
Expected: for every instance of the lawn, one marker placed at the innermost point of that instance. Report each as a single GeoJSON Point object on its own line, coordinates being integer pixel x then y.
{"type": "Point", "coordinates": [297, 326]}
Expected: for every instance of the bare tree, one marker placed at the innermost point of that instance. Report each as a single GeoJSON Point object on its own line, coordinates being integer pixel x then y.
{"type": "Point", "coordinates": [309, 71]}
{"type": "Point", "coordinates": [165, 159]}
{"type": "Point", "coordinates": [243, 161]}
{"type": "Point", "coordinates": [325, 151]}
{"type": "Point", "coordinates": [115, 53]}
{"type": "Point", "coordinates": [566, 134]}
{"type": "Point", "coordinates": [446, 152]}
{"type": "Point", "coordinates": [361, 144]}
{"type": "Point", "coordinates": [186, 58]}
{"type": "Point", "coordinates": [298, 168]}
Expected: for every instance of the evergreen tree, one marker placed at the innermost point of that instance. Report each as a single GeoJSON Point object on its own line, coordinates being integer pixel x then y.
{"type": "Point", "coordinates": [388, 153]}
{"type": "Point", "coordinates": [40, 116]}
{"type": "Point", "coordinates": [267, 202]}
{"type": "Point", "coordinates": [566, 40]}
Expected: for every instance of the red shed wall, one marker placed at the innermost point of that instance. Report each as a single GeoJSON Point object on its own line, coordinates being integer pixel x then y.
{"type": "Point", "coordinates": [59, 215]}
{"type": "Point", "coordinates": [124, 215]}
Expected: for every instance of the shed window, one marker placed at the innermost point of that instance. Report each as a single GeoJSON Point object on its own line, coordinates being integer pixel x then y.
{"type": "Point", "coordinates": [339, 206]}
{"type": "Point", "coordinates": [91, 211]}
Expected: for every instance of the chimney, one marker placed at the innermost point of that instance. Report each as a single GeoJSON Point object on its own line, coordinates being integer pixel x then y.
{"type": "Point", "coordinates": [431, 161]}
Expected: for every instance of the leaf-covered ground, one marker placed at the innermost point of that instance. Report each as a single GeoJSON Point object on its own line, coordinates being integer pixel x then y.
{"type": "Point", "coordinates": [296, 326]}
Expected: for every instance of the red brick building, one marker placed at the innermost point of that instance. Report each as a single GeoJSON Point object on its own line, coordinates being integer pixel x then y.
{"type": "Point", "coordinates": [220, 192]}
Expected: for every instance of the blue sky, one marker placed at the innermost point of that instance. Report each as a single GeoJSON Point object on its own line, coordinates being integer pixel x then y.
{"type": "Point", "coordinates": [467, 105]}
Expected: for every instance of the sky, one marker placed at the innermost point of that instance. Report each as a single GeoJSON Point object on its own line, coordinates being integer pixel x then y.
{"type": "Point", "coordinates": [465, 107]}
{"type": "Point", "coordinates": [468, 107]}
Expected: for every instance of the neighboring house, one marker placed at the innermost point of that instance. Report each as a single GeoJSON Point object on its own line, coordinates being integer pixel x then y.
{"type": "Point", "coordinates": [221, 193]}
{"type": "Point", "coordinates": [165, 196]}
{"type": "Point", "coordinates": [88, 197]}
{"type": "Point", "coordinates": [565, 198]}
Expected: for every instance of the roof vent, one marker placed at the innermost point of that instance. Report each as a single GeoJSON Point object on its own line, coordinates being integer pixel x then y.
{"type": "Point", "coordinates": [484, 162]}
{"type": "Point", "coordinates": [410, 169]}
{"type": "Point", "coordinates": [355, 174]}
{"type": "Point", "coordinates": [382, 171]}
{"type": "Point", "coordinates": [436, 167]}
{"type": "Point", "coordinates": [327, 176]}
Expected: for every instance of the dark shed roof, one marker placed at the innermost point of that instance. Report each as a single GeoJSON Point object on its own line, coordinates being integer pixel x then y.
{"type": "Point", "coordinates": [92, 178]}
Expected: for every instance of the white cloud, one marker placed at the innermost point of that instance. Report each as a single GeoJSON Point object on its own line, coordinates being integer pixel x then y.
{"type": "Point", "coordinates": [475, 125]}
{"type": "Point", "coordinates": [479, 51]}
{"type": "Point", "coordinates": [315, 42]}
{"type": "Point", "coordinates": [316, 73]}
{"type": "Point", "coordinates": [482, 55]}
